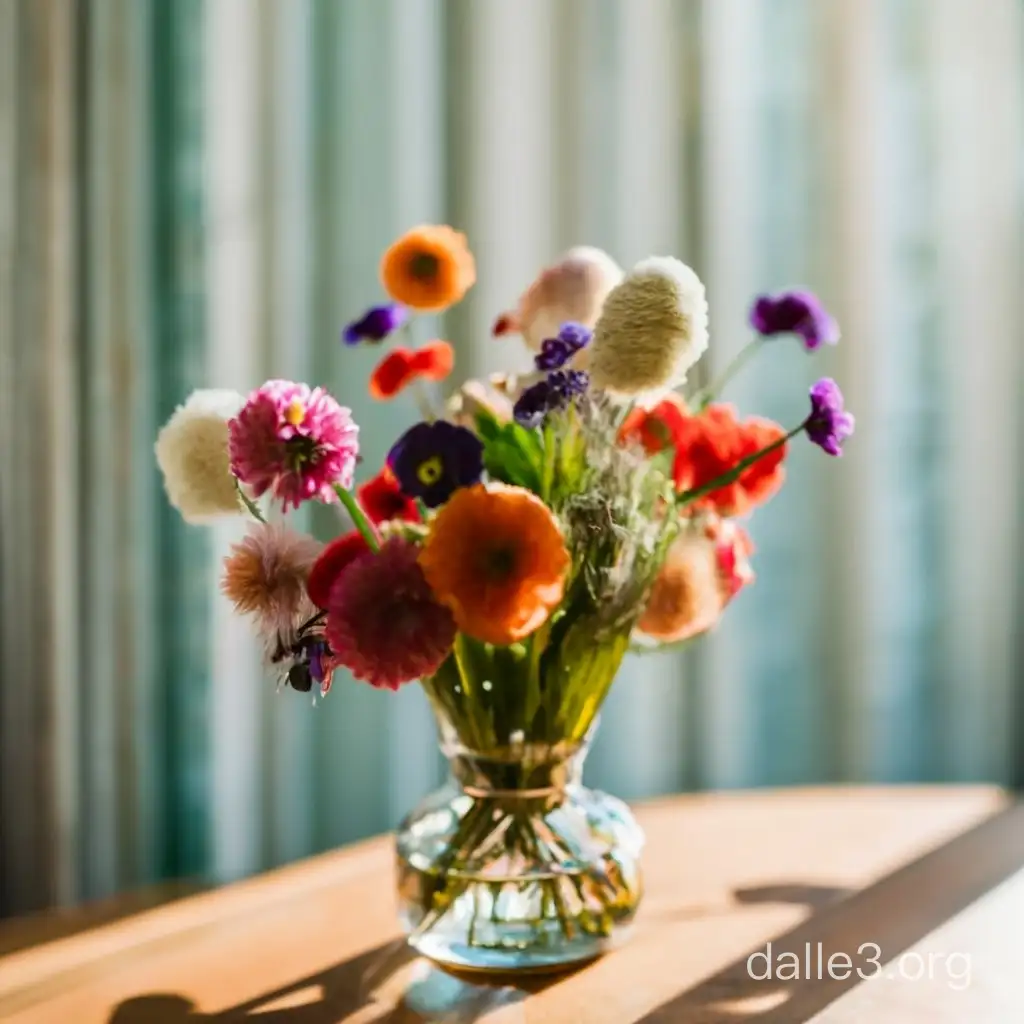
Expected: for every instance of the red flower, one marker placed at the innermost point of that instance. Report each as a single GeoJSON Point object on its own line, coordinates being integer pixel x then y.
{"type": "Point", "coordinates": [335, 557]}
{"type": "Point", "coordinates": [401, 366]}
{"type": "Point", "coordinates": [657, 428]}
{"type": "Point", "coordinates": [712, 443]}
{"type": "Point", "coordinates": [382, 499]}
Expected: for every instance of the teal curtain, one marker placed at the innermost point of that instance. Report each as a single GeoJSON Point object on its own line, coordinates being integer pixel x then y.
{"type": "Point", "coordinates": [196, 194]}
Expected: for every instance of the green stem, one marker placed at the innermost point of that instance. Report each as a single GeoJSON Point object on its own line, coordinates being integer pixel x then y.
{"type": "Point", "coordinates": [359, 520]}
{"type": "Point", "coordinates": [251, 505]}
{"type": "Point", "coordinates": [733, 474]}
{"type": "Point", "coordinates": [548, 476]}
{"type": "Point", "coordinates": [622, 414]}
{"type": "Point", "coordinates": [475, 913]}
{"type": "Point", "coordinates": [423, 403]}
{"type": "Point", "coordinates": [706, 395]}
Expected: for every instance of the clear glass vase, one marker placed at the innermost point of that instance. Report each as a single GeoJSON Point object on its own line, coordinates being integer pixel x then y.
{"type": "Point", "coordinates": [514, 865]}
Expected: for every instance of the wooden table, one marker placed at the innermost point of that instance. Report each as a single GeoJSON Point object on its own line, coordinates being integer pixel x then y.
{"type": "Point", "coordinates": [932, 877]}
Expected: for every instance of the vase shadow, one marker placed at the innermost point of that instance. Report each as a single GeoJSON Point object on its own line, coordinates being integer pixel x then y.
{"type": "Point", "coordinates": [427, 994]}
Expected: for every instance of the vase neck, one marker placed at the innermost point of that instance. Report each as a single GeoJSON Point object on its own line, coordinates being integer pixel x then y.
{"type": "Point", "coordinates": [533, 772]}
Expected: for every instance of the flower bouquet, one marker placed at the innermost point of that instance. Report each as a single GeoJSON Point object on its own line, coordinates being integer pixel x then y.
{"type": "Point", "coordinates": [519, 541]}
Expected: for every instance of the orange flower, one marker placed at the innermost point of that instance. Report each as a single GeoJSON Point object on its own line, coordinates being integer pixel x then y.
{"type": "Point", "coordinates": [496, 557]}
{"type": "Point", "coordinates": [429, 268]}
{"type": "Point", "coordinates": [401, 366]}
{"type": "Point", "coordinates": [656, 428]}
{"type": "Point", "coordinates": [712, 443]}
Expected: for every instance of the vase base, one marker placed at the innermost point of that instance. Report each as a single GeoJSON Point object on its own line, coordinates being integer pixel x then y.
{"type": "Point", "coordinates": [514, 885]}
{"type": "Point", "coordinates": [465, 959]}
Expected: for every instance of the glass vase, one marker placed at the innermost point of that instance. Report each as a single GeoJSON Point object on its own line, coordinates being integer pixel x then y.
{"type": "Point", "coordinates": [514, 865]}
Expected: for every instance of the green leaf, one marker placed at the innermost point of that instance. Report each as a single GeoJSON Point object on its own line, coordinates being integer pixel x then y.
{"type": "Point", "coordinates": [512, 454]}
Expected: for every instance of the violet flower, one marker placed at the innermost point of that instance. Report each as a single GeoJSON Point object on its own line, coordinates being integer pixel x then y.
{"type": "Point", "coordinates": [556, 352]}
{"type": "Point", "coordinates": [794, 312]}
{"type": "Point", "coordinates": [532, 405]}
{"type": "Point", "coordinates": [829, 424]}
{"type": "Point", "coordinates": [556, 391]}
{"type": "Point", "coordinates": [432, 460]}
{"type": "Point", "coordinates": [375, 324]}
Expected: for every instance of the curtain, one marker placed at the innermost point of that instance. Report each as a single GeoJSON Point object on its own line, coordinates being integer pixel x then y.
{"type": "Point", "coordinates": [196, 194]}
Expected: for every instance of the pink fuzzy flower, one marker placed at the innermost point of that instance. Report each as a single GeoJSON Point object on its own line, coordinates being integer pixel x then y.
{"type": "Point", "coordinates": [383, 622]}
{"type": "Point", "coordinates": [295, 441]}
{"type": "Point", "coordinates": [265, 576]}
{"type": "Point", "coordinates": [707, 566]}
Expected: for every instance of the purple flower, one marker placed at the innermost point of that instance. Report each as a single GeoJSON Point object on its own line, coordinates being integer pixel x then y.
{"type": "Point", "coordinates": [829, 425]}
{"type": "Point", "coordinates": [375, 324]}
{"type": "Point", "coordinates": [795, 312]}
{"type": "Point", "coordinates": [556, 352]}
{"type": "Point", "coordinates": [556, 391]}
{"type": "Point", "coordinates": [532, 405]}
{"type": "Point", "coordinates": [431, 460]}
{"type": "Point", "coordinates": [567, 384]}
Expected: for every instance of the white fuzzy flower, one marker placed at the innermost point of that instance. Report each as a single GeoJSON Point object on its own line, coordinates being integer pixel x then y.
{"type": "Point", "coordinates": [652, 329]}
{"type": "Point", "coordinates": [192, 452]}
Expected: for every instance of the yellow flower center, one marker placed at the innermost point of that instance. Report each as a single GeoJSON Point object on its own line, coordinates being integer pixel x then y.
{"type": "Point", "coordinates": [296, 412]}
{"type": "Point", "coordinates": [429, 472]}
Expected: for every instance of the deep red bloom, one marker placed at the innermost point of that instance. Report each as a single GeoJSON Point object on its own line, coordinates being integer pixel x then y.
{"type": "Point", "coordinates": [712, 443]}
{"type": "Point", "coordinates": [401, 366]}
{"type": "Point", "coordinates": [384, 623]}
{"type": "Point", "coordinates": [382, 499]}
{"type": "Point", "coordinates": [335, 557]}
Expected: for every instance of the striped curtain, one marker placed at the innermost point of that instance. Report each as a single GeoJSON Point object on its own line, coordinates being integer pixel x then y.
{"type": "Point", "coordinates": [196, 193]}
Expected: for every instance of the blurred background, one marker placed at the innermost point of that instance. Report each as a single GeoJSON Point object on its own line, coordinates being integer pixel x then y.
{"type": "Point", "coordinates": [196, 193]}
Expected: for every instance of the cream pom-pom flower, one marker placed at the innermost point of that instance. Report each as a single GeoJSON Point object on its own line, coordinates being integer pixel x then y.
{"type": "Point", "coordinates": [652, 329]}
{"type": "Point", "coordinates": [192, 452]}
{"type": "Point", "coordinates": [573, 289]}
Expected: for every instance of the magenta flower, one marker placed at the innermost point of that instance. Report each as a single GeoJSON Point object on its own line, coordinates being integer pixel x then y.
{"type": "Point", "coordinates": [829, 424]}
{"type": "Point", "coordinates": [795, 312]}
{"type": "Point", "coordinates": [295, 441]}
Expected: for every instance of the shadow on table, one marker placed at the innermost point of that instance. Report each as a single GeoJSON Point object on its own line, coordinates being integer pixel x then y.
{"type": "Point", "coordinates": [892, 914]}
{"type": "Point", "coordinates": [331, 995]}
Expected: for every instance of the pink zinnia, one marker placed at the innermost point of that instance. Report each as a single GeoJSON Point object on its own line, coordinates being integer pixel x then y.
{"type": "Point", "coordinates": [383, 622]}
{"type": "Point", "coordinates": [295, 441]}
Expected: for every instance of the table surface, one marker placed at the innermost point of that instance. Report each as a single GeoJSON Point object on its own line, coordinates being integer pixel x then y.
{"type": "Point", "coordinates": [926, 882]}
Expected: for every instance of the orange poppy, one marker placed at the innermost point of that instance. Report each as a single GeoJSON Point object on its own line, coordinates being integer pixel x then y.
{"type": "Point", "coordinates": [401, 366]}
{"type": "Point", "coordinates": [496, 557]}
{"type": "Point", "coordinates": [656, 428]}
{"type": "Point", "coordinates": [429, 268]}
